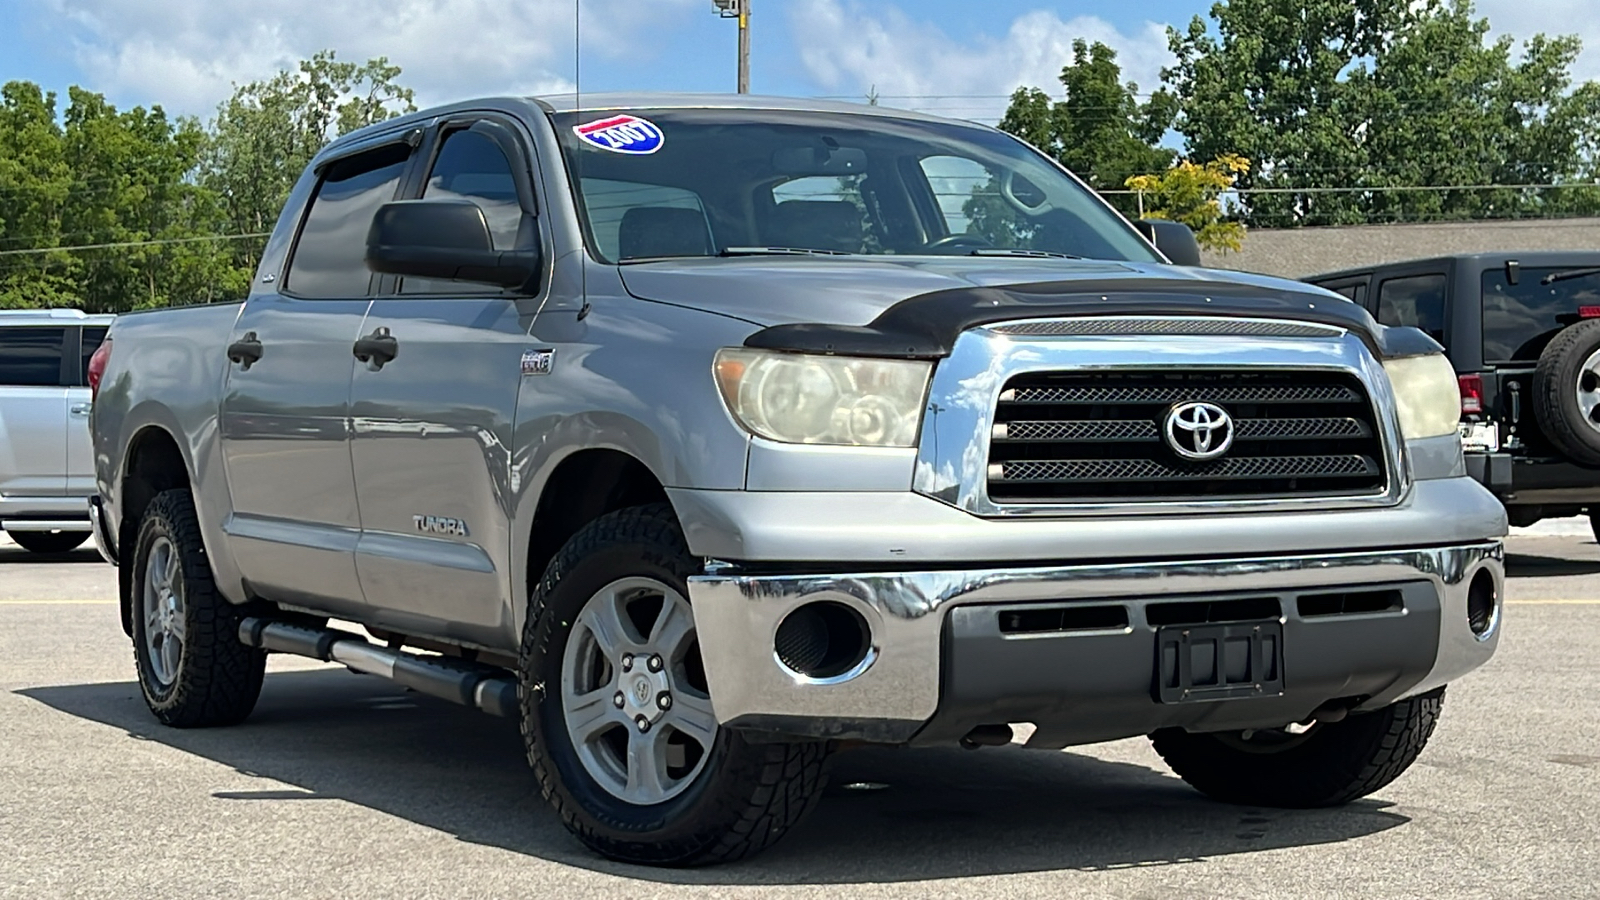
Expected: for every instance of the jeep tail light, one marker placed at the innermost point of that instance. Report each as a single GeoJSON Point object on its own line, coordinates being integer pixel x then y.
{"type": "Point", "coordinates": [1471, 393]}
{"type": "Point", "coordinates": [97, 367]}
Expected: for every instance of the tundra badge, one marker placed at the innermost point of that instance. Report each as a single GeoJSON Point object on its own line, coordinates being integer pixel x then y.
{"type": "Point", "coordinates": [440, 525]}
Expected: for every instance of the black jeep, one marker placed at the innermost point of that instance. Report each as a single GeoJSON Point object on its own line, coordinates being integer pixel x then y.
{"type": "Point", "coordinates": [1523, 331]}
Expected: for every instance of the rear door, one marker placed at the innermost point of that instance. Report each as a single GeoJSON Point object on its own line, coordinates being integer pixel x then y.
{"type": "Point", "coordinates": [33, 413]}
{"type": "Point", "coordinates": [431, 428]}
{"type": "Point", "coordinates": [80, 452]}
{"type": "Point", "coordinates": [284, 430]}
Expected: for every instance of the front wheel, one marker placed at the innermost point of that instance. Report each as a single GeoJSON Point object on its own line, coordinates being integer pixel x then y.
{"type": "Point", "coordinates": [617, 717]}
{"type": "Point", "coordinates": [1330, 764]}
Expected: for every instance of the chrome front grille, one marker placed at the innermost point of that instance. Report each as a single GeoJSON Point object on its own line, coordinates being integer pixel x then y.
{"type": "Point", "coordinates": [1064, 437]}
{"type": "Point", "coordinates": [1123, 327]}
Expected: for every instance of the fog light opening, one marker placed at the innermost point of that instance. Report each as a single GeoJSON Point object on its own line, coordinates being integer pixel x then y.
{"type": "Point", "coordinates": [1483, 607]}
{"type": "Point", "coordinates": [823, 640]}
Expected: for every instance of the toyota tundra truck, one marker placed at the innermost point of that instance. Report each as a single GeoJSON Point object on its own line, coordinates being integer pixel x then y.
{"type": "Point", "coordinates": [709, 436]}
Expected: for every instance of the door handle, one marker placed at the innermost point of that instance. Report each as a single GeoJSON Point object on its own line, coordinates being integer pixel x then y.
{"type": "Point", "coordinates": [377, 348]}
{"type": "Point", "coordinates": [246, 350]}
{"type": "Point", "coordinates": [80, 409]}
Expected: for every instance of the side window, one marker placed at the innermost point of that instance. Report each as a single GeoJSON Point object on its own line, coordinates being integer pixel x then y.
{"type": "Point", "coordinates": [92, 338]}
{"type": "Point", "coordinates": [633, 220]}
{"type": "Point", "coordinates": [330, 251]}
{"type": "Point", "coordinates": [959, 185]}
{"type": "Point", "coordinates": [31, 357]}
{"type": "Point", "coordinates": [1355, 291]}
{"type": "Point", "coordinates": [1415, 300]}
{"type": "Point", "coordinates": [471, 166]}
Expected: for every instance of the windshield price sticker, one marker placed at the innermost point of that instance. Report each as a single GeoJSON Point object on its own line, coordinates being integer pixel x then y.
{"type": "Point", "coordinates": [622, 134]}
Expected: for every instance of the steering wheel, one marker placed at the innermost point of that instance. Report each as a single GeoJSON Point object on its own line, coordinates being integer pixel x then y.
{"type": "Point", "coordinates": [956, 241]}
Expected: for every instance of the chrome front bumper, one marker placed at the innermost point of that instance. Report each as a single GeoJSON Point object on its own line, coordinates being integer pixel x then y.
{"type": "Point", "coordinates": [897, 691]}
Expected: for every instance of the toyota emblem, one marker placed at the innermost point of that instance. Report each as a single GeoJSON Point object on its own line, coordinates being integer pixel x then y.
{"type": "Point", "coordinates": [1199, 431]}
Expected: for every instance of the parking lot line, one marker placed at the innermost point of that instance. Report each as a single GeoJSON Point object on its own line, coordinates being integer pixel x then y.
{"type": "Point", "coordinates": [58, 602]}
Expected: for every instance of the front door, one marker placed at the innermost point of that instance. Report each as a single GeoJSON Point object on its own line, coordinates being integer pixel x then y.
{"type": "Point", "coordinates": [431, 416]}
{"type": "Point", "coordinates": [33, 415]}
{"type": "Point", "coordinates": [284, 423]}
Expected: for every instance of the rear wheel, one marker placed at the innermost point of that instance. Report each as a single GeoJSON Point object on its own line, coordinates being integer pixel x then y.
{"type": "Point", "coordinates": [49, 541]}
{"type": "Point", "coordinates": [1329, 764]}
{"type": "Point", "coordinates": [193, 668]}
{"type": "Point", "coordinates": [616, 714]}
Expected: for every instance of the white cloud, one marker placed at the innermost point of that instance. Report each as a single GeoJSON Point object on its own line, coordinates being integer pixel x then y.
{"type": "Point", "coordinates": [849, 50]}
{"type": "Point", "coordinates": [1522, 19]}
{"type": "Point", "coordinates": [187, 54]}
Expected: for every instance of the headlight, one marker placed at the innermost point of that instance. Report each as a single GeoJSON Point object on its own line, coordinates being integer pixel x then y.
{"type": "Point", "coordinates": [1426, 392]}
{"type": "Point", "coordinates": [802, 399]}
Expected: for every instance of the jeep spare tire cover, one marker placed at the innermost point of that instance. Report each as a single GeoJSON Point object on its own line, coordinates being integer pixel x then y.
{"type": "Point", "coordinates": [1566, 392]}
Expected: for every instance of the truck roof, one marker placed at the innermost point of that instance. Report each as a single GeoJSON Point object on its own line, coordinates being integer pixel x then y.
{"type": "Point", "coordinates": [599, 102]}
{"type": "Point", "coordinates": [1531, 259]}
{"type": "Point", "coordinates": [35, 316]}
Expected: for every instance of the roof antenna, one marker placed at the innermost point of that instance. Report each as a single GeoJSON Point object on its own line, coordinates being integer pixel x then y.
{"type": "Point", "coordinates": [577, 156]}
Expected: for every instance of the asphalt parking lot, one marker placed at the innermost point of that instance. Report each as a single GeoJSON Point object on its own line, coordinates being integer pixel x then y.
{"type": "Point", "coordinates": [341, 785]}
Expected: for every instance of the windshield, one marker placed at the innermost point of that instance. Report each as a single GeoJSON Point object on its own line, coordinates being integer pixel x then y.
{"type": "Point", "coordinates": [705, 182]}
{"type": "Point", "coordinates": [1520, 319]}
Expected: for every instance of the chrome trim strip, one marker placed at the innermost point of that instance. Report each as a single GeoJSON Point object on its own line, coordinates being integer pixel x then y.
{"type": "Point", "coordinates": [79, 525]}
{"type": "Point", "coordinates": [738, 616]}
{"type": "Point", "coordinates": [958, 422]}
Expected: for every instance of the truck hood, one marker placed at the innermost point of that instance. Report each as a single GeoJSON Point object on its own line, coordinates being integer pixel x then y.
{"type": "Point", "coordinates": [916, 307]}
{"type": "Point", "coordinates": [768, 290]}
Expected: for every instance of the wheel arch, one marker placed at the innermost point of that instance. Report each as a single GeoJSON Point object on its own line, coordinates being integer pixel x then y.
{"type": "Point", "coordinates": [153, 462]}
{"type": "Point", "coordinates": [582, 487]}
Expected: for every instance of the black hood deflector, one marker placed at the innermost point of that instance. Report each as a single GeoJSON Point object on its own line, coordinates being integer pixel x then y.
{"type": "Point", "coordinates": [926, 326]}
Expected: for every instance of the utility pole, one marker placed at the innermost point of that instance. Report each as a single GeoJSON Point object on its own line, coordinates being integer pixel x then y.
{"type": "Point", "coordinates": [739, 9]}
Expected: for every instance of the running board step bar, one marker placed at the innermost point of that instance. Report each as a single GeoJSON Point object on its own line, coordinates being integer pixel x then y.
{"type": "Point", "coordinates": [455, 680]}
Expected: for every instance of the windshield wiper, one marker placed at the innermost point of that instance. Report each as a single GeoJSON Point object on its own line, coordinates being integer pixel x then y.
{"type": "Point", "coordinates": [1029, 254]}
{"type": "Point", "coordinates": [1554, 277]}
{"type": "Point", "coordinates": [781, 251]}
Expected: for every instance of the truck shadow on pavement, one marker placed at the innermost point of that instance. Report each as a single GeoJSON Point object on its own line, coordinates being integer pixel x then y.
{"type": "Point", "coordinates": [1530, 565]}
{"type": "Point", "coordinates": [890, 815]}
{"type": "Point", "coordinates": [12, 555]}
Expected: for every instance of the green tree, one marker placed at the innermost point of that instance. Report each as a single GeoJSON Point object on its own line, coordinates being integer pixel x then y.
{"type": "Point", "coordinates": [1380, 93]}
{"type": "Point", "coordinates": [1190, 194]}
{"type": "Point", "coordinates": [1099, 130]}
{"type": "Point", "coordinates": [133, 185]}
{"type": "Point", "coordinates": [35, 182]}
{"type": "Point", "coordinates": [91, 176]}
{"type": "Point", "coordinates": [265, 134]}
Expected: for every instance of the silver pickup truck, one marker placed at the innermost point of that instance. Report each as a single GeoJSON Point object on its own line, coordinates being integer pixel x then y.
{"type": "Point", "coordinates": [708, 436]}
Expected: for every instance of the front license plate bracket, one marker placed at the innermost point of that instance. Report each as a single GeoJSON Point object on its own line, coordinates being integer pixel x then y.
{"type": "Point", "coordinates": [1226, 661]}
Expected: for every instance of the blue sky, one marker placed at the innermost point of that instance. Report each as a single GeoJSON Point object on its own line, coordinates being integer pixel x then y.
{"type": "Point", "coordinates": [956, 56]}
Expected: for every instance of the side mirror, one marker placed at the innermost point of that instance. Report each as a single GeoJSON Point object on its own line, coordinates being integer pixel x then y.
{"type": "Point", "coordinates": [1175, 240]}
{"type": "Point", "coordinates": [447, 239]}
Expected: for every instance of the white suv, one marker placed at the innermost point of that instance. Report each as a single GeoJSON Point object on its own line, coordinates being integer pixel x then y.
{"type": "Point", "coordinates": [46, 465]}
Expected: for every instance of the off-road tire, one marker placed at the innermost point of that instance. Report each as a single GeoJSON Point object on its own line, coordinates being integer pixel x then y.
{"type": "Point", "coordinates": [1555, 388]}
{"type": "Point", "coordinates": [747, 796]}
{"type": "Point", "coordinates": [49, 541]}
{"type": "Point", "coordinates": [219, 677]}
{"type": "Point", "coordinates": [1334, 764]}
